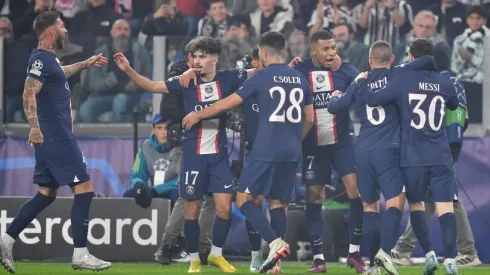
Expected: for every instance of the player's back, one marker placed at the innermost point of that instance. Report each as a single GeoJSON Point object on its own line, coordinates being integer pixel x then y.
{"type": "Point", "coordinates": [424, 95]}
{"type": "Point", "coordinates": [54, 99]}
{"type": "Point", "coordinates": [281, 96]}
{"type": "Point", "coordinates": [380, 126]}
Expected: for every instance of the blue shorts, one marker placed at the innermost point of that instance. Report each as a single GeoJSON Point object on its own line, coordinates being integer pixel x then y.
{"type": "Point", "coordinates": [200, 174]}
{"type": "Point", "coordinates": [439, 178]}
{"type": "Point", "coordinates": [379, 171]}
{"type": "Point", "coordinates": [59, 164]}
{"type": "Point", "coordinates": [273, 180]}
{"type": "Point", "coordinates": [317, 164]}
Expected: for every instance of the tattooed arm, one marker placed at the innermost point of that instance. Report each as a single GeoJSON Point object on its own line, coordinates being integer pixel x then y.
{"type": "Point", "coordinates": [32, 87]}
{"type": "Point", "coordinates": [75, 68]}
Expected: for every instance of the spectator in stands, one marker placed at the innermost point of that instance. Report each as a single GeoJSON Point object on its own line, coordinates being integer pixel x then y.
{"type": "Point", "coordinates": [157, 163]}
{"type": "Point", "coordinates": [326, 16]}
{"type": "Point", "coordinates": [23, 27]}
{"type": "Point", "coordinates": [270, 16]}
{"type": "Point", "coordinates": [96, 20]}
{"type": "Point", "coordinates": [16, 57]}
{"type": "Point", "coordinates": [297, 45]}
{"type": "Point", "coordinates": [349, 49]}
{"type": "Point", "coordinates": [168, 20]}
{"type": "Point", "coordinates": [425, 26]}
{"type": "Point", "coordinates": [217, 21]}
{"type": "Point", "coordinates": [70, 8]}
{"type": "Point", "coordinates": [13, 9]}
{"type": "Point", "coordinates": [467, 59]}
{"type": "Point", "coordinates": [244, 7]}
{"type": "Point", "coordinates": [238, 42]}
{"type": "Point", "coordinates": [110, 89]}
{"type": "Point", "coordinates": [387, 20]}
{"type": "Point", "coordinates": [451, 16]}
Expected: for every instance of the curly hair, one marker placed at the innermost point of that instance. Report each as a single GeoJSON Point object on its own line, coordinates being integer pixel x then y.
{"type": "Point", "coordinates": [208, 45]}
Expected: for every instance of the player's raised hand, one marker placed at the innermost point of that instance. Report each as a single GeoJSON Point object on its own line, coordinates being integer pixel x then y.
{"type": "Point", "coordinates": [337, 62]}
{"type": "Point", "coordinates": [96, 60]}
{"type": "Point", "coordinates": [122, 62]}
{"type": "Point", "coordinates": [185, 78]}
{"type": "Point", "coordinates": [361, 75]}
{"type": "Point", "coordinates": [337, 93]}
{"type": "Point", "coordinates": [190, 120]}
{"type": "Point", "coordinates": [293, 62]}
{"type": "Point", "coordinates": [35, 137]}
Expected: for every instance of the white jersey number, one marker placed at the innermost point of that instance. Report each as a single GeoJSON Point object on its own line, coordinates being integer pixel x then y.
{"type": "Point", "coordinates": [295, 98]}
{"type": "Point", "coordinates": [381, 114]}
{"type": "Point", "coordinates": [420, 98]}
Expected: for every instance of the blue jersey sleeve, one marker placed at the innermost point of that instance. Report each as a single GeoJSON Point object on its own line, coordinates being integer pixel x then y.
{"type": "Point", "coordinates": [338, 104]}
{"type": "Point", "coordinates": [388, 94]}
{"type": "Point", "coordinates": [174, 86]}
{"type": "Point", "coordinates": [308, 93]}
{"type": "Point", "coordinates": [238, 76]}
{"type": "Point", "coordinates": [453, 100]}
{"type": "Point", "coordinates": [40, 67]}
{"type": "Point", "coordinates": [249, 88]}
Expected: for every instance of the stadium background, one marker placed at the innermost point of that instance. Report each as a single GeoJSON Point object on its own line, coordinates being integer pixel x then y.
{"type": "Point", "coordinates": [108, 143]}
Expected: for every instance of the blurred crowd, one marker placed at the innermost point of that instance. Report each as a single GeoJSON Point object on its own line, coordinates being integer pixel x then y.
{"type": "Point", "coordinates": [106, 94]}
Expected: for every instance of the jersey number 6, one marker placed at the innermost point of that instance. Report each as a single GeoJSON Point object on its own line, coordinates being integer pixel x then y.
{"type": "Point", "coordinates": [295, 105]}
{"type": "Point", "coordinates": [420, 98]}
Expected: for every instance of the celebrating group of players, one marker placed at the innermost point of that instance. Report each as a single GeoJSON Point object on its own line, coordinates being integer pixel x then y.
{"type": "Point", "coordinates": [292, 115]}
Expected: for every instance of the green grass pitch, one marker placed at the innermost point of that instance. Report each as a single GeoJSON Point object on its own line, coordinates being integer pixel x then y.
{"type": "Point", "coordinates": [39, 268]}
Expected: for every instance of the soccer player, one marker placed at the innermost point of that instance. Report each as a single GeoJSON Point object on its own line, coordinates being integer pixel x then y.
{"type": "Point", "coordinates": [331, 142]}
{"type": "Point", "coordinates": [422, 96]}
{"type": "Point", "coordinates": [59, 161]}
{"type": "Point", "coordinates": [377, 155]}
{"type": "Point", "coordinates": [285, 103]}
{"type": "Point", "coordinates": [204, 163]}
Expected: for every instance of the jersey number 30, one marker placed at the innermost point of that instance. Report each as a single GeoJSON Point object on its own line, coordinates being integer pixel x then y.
{"type": "Point", "coordinates": [419, 99]}
{"type": "Point", "coordinates": [295, 98]}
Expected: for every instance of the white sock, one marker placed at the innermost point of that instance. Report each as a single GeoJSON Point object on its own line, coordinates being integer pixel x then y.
{"type": "Point", "coordinates": [353, 248]}
{"type": "Point", "coordinates": [8, 241]}
{"type": "Point", "coordinates": [79, 253]}
{"type": "Point", "coordinates": [274, 242]}
{"type": "Point", "coordinates": [216, 251]}
{"type": "Point", "coordinates": [318, 256]}
{"type": "Point", "coordinates": [194, 257]}
{"type": "Point", "coordinates": [257, 254]}
{"type": "Point", "coordinates": [429, 254]}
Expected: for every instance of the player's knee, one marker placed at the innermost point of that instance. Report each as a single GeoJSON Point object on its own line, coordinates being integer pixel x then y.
{"type": "Point", "coordinates": [48, 192]}
{"type": "Point", "coordinates": [416, 206]}
{"type": "Point", "coordinates": [259, 201]}
{"type": "Point", "coordinates": [315, 194]}
{"type": "Point", "coordinates": [350, 183]}
{"type": "Point", "coordinates": [444, 208]}
{"type": "Point", "coordinates": [241, 199]}
{"type": "Point", "coordinates": [84, 187]}
{"type": "Point", "coordinates": [192, 209]}
{"type": "Point", "coordinates": [371, 207]}
{"type": "Point", "coordinates": [223, 210]}
{"type": "Point", "coordinates": [397, 202]}
{"type": "Point", "coordinates": [277, 204]}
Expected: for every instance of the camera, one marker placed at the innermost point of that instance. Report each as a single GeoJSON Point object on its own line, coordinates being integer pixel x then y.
{"type": "Point", "coordinates": [234, 121]}
{"type": "Point", "coordinates": [244, 63]}
{"type": "Point", "coordinates": [236, 172]}
{"type": "Point", "coordinates": [175, 132]}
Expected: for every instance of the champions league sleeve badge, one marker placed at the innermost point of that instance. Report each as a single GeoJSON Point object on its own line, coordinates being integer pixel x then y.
{"type": "Point", "coordinates": [36, 67]}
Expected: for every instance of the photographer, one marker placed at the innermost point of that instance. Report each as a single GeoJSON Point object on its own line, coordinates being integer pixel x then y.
{"type": "Point", "coordinates": [154, 162]}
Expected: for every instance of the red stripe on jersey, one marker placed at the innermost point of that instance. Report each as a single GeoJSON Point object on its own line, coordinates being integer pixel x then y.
{"type": "Point", "coordinates": [334, 116]}
{"type": "Point", "coordinates": [315, 121]}
{"type": "Point", "coordinates": [216, 141]}
{"type": "Point", "coordinates": [199, 137]}
{"type": "Point", "coordinates": [199, 93]}
{"type": "Point", "coordinates": [219, 89]}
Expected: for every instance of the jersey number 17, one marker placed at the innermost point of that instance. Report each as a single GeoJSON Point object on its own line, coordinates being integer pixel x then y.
{"type": "Point", "coordinates": [293, 112]}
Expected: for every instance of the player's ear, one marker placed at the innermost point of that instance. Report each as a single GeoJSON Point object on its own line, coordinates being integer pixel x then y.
{"type": "Point", "coordinates": [392, 59]}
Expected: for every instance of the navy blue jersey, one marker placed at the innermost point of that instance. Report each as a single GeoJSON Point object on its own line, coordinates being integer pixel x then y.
{"type": "Point", "coordinates": [328, 128]}
{"type": "Point", "coordinates": [380, 125]}
{"type": "Point", "coordinates": [281, 95]}
{"type": "Point", "coordinates": [250, 110]}
{"type": "Point", "coordinates": [421, 96]}
{"type": "Point", "coordinates": [54, 99]}
{"type": "Point", "coordinates": [208, 136]}
{"type": "Point", "coordinates": [455, 120]}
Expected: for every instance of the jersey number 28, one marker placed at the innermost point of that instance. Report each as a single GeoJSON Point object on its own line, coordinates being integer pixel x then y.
{"type": "Point", "coordinates": [419, 99]}
{"type": "Point", "coordinates": [295, 98]}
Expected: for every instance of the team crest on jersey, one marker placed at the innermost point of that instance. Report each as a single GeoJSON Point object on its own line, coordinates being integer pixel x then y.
{"type": "Point", "coordinates": [309, 175]}
{"type": "Point", "coordinates": [320, 78]}
{"type": "Point", "coordinates": [190, 189]}
{"type": "Point", "coordinates": [321, 81]}
{"type": "Point", "coordinates": [36, 67]}
{"type": "Point", "coordinates": [209, 92]}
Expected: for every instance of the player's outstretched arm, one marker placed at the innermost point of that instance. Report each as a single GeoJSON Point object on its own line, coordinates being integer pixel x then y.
{"type": "Point", "coordinates": [339, 102]}
{"type": "Point", "coordinates": [143, 82]}
{"type": "Point", "coordinates": [32, 87]}
{"type": "Point", "coordinates": [453, 100]}
{"type": "Point", "coordinates": [219, 107]}
{"type": "Point", "coordinates": [96, 60]}
{"type": "Point", "coordinates": [309, 119]}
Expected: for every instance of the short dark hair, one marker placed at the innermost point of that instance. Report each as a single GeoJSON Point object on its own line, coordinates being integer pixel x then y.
{"type": "Point", "coordinates": [420, 47]}
{"type": "Point", "coordinates": [43, 21]}
{"type": "Point", "coordinates": [381, 51]}
{"type": "Point", "coordinates": [480, 10]}
{"type": "Point", "coordinates": [208, 45]}
{"type": "Point", "coordinates": [348, 26]}
{"type": "Point", "coordinates": [273, 40]}
{"type": "Point", "coordinates": [214, 2]}
{"type": "Point", "coordinates": [255, 54]}
{"type": "Point", "coordinates": [321, 35]}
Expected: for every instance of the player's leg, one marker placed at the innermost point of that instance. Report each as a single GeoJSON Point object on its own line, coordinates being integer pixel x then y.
{"type": "Point", "coordinates": [442, 186]}
{"type": "Point", "coordinates": [316, 174]}
{"type": "Point", "coordinates": [255, 239]}
{"type": "Point", "coordinates": [344, 164]}
{"type": "Point", "coordinates": [27, 212]}
{"type": "Point", "coordinates": [416, 183]}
